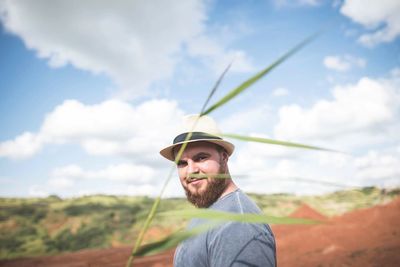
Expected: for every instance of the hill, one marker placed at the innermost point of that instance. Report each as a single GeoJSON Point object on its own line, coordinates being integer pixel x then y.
{"type": "Point", "coordinates": [364, 237]}
{"type": "Point", "coordinates": [50, 226]}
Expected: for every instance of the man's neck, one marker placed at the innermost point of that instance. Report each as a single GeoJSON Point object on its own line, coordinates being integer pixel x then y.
{"type": "Point", "coordinates": [229, 189]}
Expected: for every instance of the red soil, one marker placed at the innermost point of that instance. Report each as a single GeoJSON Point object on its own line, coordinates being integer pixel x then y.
{"type": "Point", "coordinates": [112, 257]}
{"type": "Point", "coordinates": [368, 237]}
{"type": "Point", "coordinates": [305, 211]}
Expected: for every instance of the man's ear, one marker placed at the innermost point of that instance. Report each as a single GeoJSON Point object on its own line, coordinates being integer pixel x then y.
{"type": "Point", "coordinates": [225, 156]}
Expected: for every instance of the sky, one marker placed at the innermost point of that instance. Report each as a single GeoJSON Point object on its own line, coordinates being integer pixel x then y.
{"type": "Point", "coordinates": [90, 91]}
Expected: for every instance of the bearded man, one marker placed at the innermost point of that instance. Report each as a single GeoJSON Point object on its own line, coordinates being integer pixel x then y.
{"type": "Point", "coordinates": [202, 161]}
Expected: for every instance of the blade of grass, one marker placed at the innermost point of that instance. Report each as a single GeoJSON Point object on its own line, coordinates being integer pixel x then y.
{"type": "Point", "coordinates": [156, 203]}
{"type": "Point", "coordinates": [276, 142]}
{"type": "Point", "coordinates": [149, 219]}
{"type": "Point", "coordinates": [237, 217]}
{"type": "Point", "coordinates": [172, 240]}
{"type": "Point", "coordinates": [235, 92]}
{"type": "Point", "coordinates": [294, 179]}
{"type": "Point", "coordinates": [313, 181]}
{"type": "Point", "coordinates": [246, 84]}
{"type": "Point", "coordinates": [214, 89]}
{"type": "Point", "coordinates": [209, 175]}
{"type": "Point", "coordinates": [297, 179]}
{"type": "Point", "coordinates": [217, 218]}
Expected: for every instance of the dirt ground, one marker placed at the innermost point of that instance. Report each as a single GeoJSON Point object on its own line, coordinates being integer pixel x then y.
{"type": "Point", "coordinates": [368, 237]}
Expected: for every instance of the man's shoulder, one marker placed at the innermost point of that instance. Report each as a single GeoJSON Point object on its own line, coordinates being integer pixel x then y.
{"type": "Point", "coordinates": [241, 242]}
{"type": "Point", "coordinates": [237, 202]}
{"type": "Point", "coordinates": [238, 232]}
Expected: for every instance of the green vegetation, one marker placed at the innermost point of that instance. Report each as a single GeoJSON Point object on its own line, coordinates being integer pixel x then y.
{"type": "Point", "coordinates": [87, 236]}
{"type": "Point", "coordinates": [38, 226]}
{"type": "Point", "coordinates": [332, 204]}
{"type": "Point", "coordinates": [51, 225]}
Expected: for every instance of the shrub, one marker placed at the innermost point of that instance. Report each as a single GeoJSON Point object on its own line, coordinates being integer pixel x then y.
{"type": "Point", "coordinates": [87, 236]}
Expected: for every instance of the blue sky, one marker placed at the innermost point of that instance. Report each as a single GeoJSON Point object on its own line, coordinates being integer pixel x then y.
{"type": "Point", "coordinates": [90, 92]}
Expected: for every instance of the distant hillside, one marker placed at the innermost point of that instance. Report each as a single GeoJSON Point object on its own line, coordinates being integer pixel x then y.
{"type": "Point", "coordinates": [38, 226]}
{"type": "Point", "coordinates": [332, 204]}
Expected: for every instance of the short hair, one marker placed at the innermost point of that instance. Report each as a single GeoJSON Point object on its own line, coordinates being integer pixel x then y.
{"type": "Point", "coordinates": [220, 149]}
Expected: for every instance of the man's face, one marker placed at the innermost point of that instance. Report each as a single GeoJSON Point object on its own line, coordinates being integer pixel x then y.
{"type": "Point", "coordinates": [202, 158]}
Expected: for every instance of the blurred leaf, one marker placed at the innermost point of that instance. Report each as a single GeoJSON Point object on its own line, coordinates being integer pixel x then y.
{"type": "Point", "coordinates": [224, 100]}
{"type": "Point", "coordinates": [214, 89]}
{"type": "Point", "coordinates": [229, 216]}
{"type": "Point", "coordinates": [209, 175]}
{"type": "Point", "coordinates": [276, 142]}
{"type": "Point", "coordinates": [172, 241]}
{"type": "Point", "coordinates": [246, 84]}
{"type": "Point", "coordinates": [217, 217]}
{"type": "Point", "coordinates": [154, 208]}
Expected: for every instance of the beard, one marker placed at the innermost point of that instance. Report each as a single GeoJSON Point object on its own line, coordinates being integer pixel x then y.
{"type": "Point", "coordinates": [214, 189]}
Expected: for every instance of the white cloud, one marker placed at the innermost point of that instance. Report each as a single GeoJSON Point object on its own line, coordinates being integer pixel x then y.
{"type": "Point", "coordinates": [37, 191]}
{"type": "Point", "coordinates": [128, 173]}
{"type": "Point", "coordinates": [361, 118]}
{"type": "Point", "coordinates": [61, 183]}
{"type": "Point", "coordinates": [357, 109]}
{"type": "Point", "coordinates": [273, 169]}
{"type": "Point", "coordinates": [343, 63]}
{"type": "Point", "coordinates": [373, 15]}
{"type": "Point", "coordinates": [395, 73]}
{"type": "Point", "coordinates": [133, 42]}
{"type": "Point", "coordinates": [114, 179]}
{"type": "Point", "coordinates": [129, 190]}
{"type": "Point", "coordinates": [257, 168]}
{"type": "Point", "coordinates": [68, 172]}
{"type": "Point", "coordinates": [23, 146]}
{"type": "Point", "coordinates": [112, 127]}
{"type": "Point", "coordinates": [216, 57]}
{"type": "Point", "coordinates": [379, 167]}
{"type": "Point", "coordinates": [335, 63]}
{"type": "Point", "coordinates": [280, 92]}
{"type": "Point", "coordinates": [135, 174]}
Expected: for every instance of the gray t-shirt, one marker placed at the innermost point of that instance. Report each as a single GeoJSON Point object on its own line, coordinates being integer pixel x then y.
{"type": "Point", "coordinates": [233, 243]}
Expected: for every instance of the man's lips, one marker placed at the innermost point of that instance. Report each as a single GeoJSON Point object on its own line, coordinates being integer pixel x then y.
{"type": "Point", "coordinates": [192, 180]}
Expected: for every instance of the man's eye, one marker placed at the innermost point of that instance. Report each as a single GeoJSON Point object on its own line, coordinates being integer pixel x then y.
{"type": "Point", "coordinates": [181, 164]}
{"type": "Point", "coordinates": [201, 158]}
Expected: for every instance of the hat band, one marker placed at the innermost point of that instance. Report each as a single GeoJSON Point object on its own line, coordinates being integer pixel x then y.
{"type": "Point", "coordinates": [195, 136]}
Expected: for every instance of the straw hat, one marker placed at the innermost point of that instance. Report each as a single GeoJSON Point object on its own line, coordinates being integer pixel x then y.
{"type": "Point", "coordinates": [203, 128]}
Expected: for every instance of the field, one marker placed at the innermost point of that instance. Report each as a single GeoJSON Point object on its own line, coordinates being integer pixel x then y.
{"type": "Point", "coordinates": [360, 227]}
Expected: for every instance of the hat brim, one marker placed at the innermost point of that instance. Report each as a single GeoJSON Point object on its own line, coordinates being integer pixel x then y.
{"type": "Point", "coordinates": [168, 152]}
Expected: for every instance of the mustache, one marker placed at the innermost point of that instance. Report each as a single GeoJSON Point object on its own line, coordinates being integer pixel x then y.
{"type": "Point", "coordinates": [197, 176]}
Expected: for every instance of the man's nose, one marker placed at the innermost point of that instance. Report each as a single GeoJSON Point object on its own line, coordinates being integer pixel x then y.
{"type": "Point", "coordinates": [192, 167]}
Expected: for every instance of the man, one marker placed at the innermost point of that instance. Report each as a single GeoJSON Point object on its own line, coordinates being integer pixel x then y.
{"type": "Point", "coordinates": [233, 243]}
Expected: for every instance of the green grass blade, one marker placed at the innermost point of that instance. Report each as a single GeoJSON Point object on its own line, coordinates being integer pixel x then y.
{"type": "Point", "coordinates": [235, 92]}
{"type": "Point", "coordinates": [172, 241]}
{"type": "Point", "coordinates": [214, 89]}
{"type": "Point", "coordinates": [246, 84]}
{"type": "Point", "coordinates": [276, 142]}
{"type": "Point", "coordinates": [299, 180]}
{"type": "Point", "coordinates": [149, 219]}
{"type": "Point", "coordinates": [156, 204]}
{"type": "Point", "coordinates": [154, 208]}
{"type": "Point", "coordinates": [321, 182]}
{"type": "Point", "coordinates": [215, 218]}
{"type": "Point", "coordinates": [237, 217]}
{"type": "Point", "coordinates": [209, 175]}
